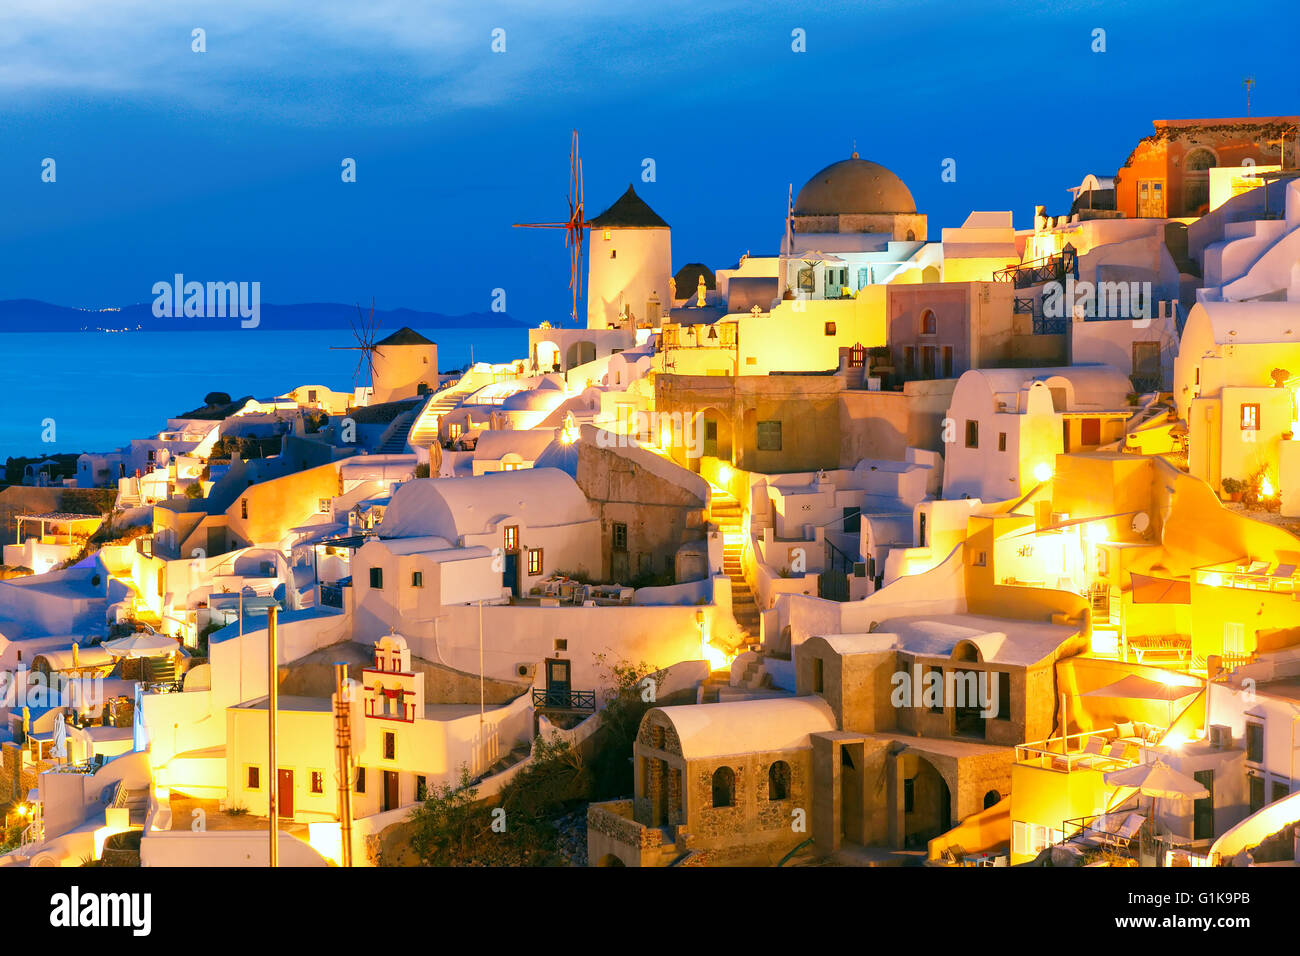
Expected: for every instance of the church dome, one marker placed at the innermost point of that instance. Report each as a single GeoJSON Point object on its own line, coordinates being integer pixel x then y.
{"type": "Point", "coordinates": [854, 187]}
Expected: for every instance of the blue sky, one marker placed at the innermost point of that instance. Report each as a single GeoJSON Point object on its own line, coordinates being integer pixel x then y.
{"type": "Point", "coordinates": [225, 165]}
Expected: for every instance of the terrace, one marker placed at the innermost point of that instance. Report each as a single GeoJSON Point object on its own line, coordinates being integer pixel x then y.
{"type": "Point", "coordinates": [1250, 575]}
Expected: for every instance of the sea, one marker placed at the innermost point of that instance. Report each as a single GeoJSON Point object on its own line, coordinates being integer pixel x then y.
{"type": "Point", "coordinates": [95, 391]}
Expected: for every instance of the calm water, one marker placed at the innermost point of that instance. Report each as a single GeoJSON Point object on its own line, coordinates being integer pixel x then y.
{"type": "Point", "coordinates": [103, 389]}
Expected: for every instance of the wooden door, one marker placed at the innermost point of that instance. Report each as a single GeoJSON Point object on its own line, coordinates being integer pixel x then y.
{"type": "Point", "coordinates": [1151, 199]}
{"type": "Point", "coordinates": [557, 682]}
{"type": "Point", "coordinates": [391, 801]}
{"type": "Point", "coordinates": [284, 794]}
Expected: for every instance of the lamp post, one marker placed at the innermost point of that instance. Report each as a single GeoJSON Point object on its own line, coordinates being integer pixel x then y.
{"type": "Point", "coordinates": [272, 702]}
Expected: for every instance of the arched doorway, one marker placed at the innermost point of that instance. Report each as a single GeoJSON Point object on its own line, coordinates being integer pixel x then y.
{"type": "Point", "coordinates": [547, 356]}
{"type": "Point", "coordinates": [927, 802]}
{"type": "Point", "coordinates": [609, 859]}
{"type": "Point", "coordinates": [579, 353]}
{"type": "Point", "coordinates": [715, 440]}
{"type": "Point", "coordinates": [1196, 181]}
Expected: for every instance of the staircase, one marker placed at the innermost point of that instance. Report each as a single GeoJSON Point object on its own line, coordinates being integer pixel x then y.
{"type": "Point", "coordinates": [726, 512]}
{"type": "Point", "coordinates": [424, 431]}
{"type": "Point", "coordinates": [395, 439]}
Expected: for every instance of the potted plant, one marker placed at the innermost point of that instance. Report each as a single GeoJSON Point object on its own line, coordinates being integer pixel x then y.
{"type": "Point", "coordinates": [1232, 487]}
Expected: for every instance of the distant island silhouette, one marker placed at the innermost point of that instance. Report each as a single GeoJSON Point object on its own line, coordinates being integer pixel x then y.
{"type": "Point", "coordinates": [32, 315]}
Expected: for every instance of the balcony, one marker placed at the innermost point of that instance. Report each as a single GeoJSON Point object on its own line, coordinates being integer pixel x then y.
{"type": "Point", "coordinates": [1251, 575]}
{"type": "Point", "coordinates": [574, 701]}
{"type": "Point", "coordinates": [1103, 750]}
{"type": "Point", "coordinates": [405, 714]}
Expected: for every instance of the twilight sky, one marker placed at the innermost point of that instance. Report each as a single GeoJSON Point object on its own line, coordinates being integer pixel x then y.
{"type": "Point", "coordinates": [225, 165]}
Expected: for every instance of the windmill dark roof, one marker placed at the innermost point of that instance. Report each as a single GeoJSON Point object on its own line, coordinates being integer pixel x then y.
{"type": "Point", "coordinates": [405, 336]}
{"type": "Point", "coordinates": [630, 211]}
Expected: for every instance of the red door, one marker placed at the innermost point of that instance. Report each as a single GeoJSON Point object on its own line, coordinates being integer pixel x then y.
{"type": "Point", "coordinates": [284, 794]}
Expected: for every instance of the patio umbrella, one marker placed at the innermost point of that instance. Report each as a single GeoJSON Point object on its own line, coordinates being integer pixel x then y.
{"type": "Point", "coordinates": [1136, 687]}
{"type": "Point", "coordinates": [141, 645]}
{"type": "Point", "coordinates": [60, 748]}
{"type": "Point", "coordinates": [1158, 779]}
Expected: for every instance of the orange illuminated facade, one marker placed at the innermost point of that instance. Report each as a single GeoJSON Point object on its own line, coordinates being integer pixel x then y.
{"type": "Point", "coordinates": [1168, 174]}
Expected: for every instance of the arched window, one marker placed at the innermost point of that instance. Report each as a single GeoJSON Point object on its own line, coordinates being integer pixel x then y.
{"type": "Point", "coordinates": [1196, 180]}
{"type": "Point", "coordinates": [991, 798]}
{"type": "Point", "coordinates": [778, 781]}
{"type": "Point", "coordinates": [724, 787]}
{"type": "Point", "coordinates": [911, 236]}
{"type": "Point", "coordinates": [929, 323]}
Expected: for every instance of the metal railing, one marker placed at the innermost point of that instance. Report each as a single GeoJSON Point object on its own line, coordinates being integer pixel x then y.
{"type": "Point", "coordinates": [407, 714]}
{"type": "Point", "coordinates": [1029, 274]}
{"type": "Point", "coordinates": [556, 699]}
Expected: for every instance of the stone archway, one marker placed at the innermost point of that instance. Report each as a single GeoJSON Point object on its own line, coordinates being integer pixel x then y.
{"type": "Point", "coordinates": [927, 801]}
{"type": "Point", "coordinates": [579, 353]}
{"type": "Point", "coordinates": [609, 859]}
{"type": "Point", "coordinates": [716, 434]}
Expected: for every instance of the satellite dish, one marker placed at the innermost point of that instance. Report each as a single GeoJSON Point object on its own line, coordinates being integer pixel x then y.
{"type": "Point", "coordinates": [1141, 521]}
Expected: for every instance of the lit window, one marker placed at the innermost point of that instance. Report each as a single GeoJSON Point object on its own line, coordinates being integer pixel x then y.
{"type": "Point", "coordinates": [323, 506]}
{"type": "Point", "coordinates": [534, 561]}
{"type": "Point", "coordinates": [1250, 418]}
{"type": "Point", "coordinates": [606, 235]}
{"type": "Point", "coordinates": [512, 537]}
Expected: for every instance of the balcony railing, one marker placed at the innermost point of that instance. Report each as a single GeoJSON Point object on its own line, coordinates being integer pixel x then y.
{"type": "Point", "coordinates": [546, 698]}
{"type": "Point", "coordinates": [406, 715]}
{"type": "Point", "coordinates": [331, 595]}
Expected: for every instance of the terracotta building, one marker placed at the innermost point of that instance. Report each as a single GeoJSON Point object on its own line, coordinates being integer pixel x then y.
{"type": "Point", "coordinates": [1168, 174]}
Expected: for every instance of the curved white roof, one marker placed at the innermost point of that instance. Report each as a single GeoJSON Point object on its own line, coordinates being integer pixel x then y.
{"type": "Point", "coordinates": [1098, 386]}
{"type": "Point", "coordinates": [748, 726]}
{"type": "Point", "coordinates": [1250, 323]}
{"type": "Point", "coordinates": [452, 507]}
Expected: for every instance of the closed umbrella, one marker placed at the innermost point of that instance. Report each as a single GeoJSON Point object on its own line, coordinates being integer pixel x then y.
{"type": "Point", "coordinates": [60, 748]}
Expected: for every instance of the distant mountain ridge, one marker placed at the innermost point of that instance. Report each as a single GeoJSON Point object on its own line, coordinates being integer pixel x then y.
{"type": "Point", "coordinates": [32, 315]}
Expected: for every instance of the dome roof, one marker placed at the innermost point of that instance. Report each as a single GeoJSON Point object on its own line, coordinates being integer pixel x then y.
{"type": "Point", "coordinates": [854, 187]}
